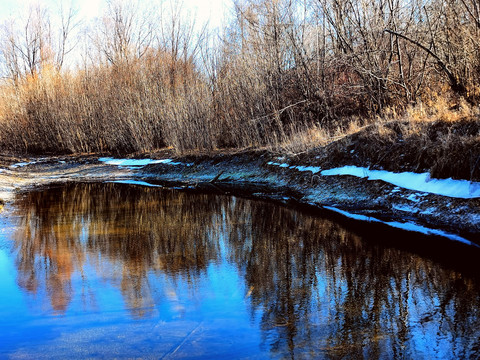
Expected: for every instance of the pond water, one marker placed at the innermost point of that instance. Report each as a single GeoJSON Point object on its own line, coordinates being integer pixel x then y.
{"type": "Point", "coordinates": [123, 271]}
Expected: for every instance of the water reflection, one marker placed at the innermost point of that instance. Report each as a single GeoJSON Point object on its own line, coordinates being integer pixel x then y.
{"type": "Point", "coordinates": [316, 288]}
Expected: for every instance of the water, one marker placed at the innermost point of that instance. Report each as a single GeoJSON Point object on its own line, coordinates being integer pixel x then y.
{"type": "Point", "coordinates": [122, 271]}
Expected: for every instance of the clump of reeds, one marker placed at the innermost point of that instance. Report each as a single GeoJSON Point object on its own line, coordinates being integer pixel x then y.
{"type": "Point", "coordinates": [280, 78]}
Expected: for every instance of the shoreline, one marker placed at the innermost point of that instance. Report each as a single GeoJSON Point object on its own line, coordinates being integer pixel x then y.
{"type": "Point", "coordinates": [256, 174]}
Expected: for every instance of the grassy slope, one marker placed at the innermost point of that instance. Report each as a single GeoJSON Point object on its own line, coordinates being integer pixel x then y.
{"type": "Point", "coordinates": [443, 148]}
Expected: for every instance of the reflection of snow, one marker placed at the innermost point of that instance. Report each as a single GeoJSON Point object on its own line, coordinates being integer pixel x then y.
{"type": "Point", "coordinates": [404, 226]}
{"type": "Point", "coordinates": [135, 182]}
{"type": "Point", "coordinates": [137, 162]}
{"type": "Point", "coordinates": [408, 180]}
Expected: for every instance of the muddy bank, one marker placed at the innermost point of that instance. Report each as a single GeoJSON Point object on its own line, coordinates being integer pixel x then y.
{"type": "Point", "coordinates": [254, 174]}
{"type": "Point", "coordinates": [258, 174]}
{"type": "Point", "coordinates": [22, 174]}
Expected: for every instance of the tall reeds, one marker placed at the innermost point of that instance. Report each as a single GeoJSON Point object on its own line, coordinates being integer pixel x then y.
{"type": "Point", "coordinates": [283, 73]}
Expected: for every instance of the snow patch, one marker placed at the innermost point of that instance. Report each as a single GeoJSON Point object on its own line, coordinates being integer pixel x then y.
{"type": "Point", "coordinates": [404, 226]}
{"type": "Point", "coordinates": [347, 170]}
{"type": "Point", "coordinates": [404, 208]}
{"type": "Point", "coordinates": [417, 182]}
{"type": "Point", "coordinates": [22, 164]}
{"type": "Point", "coordinates": [313, 169]}
{"type": "Point", "coordinates": [282, 165]}
{"type": "Point", "coordinates": [26, 163]}
{"type": "Point", "coordinates": [408, 180]}
{"type": "Point", "coordinates": [428, 211]}
{"type": "Point", "coordinates": [137, 162]}
{"type": "Point", "coordinates": [415, 197]}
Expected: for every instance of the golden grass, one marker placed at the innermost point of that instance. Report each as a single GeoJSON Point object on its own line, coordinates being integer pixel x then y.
{"type": "Point", "coordinates": [156, 102]}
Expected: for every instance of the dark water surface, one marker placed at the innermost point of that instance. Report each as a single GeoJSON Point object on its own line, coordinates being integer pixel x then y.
{"type": "Point", "coordinates": [121, 271]}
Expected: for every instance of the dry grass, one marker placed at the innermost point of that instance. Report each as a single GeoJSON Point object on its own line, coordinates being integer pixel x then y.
{"type": "Point", "coordinates": [116, 109]}
{"type": "Point", "coordinates": [157, 103]}
{"type": "Point", "coordinates": [444, 142]}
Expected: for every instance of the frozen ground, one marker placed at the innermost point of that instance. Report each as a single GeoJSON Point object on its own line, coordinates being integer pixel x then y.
{"type": "Point", "coordinates": [463, 189]}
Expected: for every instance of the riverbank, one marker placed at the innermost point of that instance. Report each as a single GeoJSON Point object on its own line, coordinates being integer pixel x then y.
{"type": "Point", "coordinates": [351, 192]}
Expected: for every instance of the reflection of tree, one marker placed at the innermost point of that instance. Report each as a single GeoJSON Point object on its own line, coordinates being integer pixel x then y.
{"type": "Point", "coordinates": [322, 289]}
{"type": "Point", "coordinates": [135, 230]}
{"type": "Point", "coordinates": [316, 287]}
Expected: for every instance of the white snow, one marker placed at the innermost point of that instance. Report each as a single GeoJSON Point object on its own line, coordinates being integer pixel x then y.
{"type": "Point", "coordinates": [417, 182]}
{"type": "Point", "coordinates": [134, 182]}
{"type": "Point", "coordinates": [136, 162]}
{"type": "Point", "coordinates": [404, 226]}
{"type": "Point", "coordinates": [347, 170]}
{"type": "Point", "coordinates": [21, 164]}
{"type": "Point", "coordinates": [282, 165]}
{"type": "Point", "coordinates": [313, 169]}
{"type": "Point", "coordinates": [428, 211]}
{"type": "Point", "coordinates": [404, 208]}
{"type": "Point", "coordinates": [408, 180]}
{"type": "Point", "coordinates": [25, 163]}
{"type": "Point", "coordinates": [415, 197]}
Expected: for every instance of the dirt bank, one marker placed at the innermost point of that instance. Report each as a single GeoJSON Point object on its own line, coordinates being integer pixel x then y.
{"type": "Point", "coordinates": [262, 174]}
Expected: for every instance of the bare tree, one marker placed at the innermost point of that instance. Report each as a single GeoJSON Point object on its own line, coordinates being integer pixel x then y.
{"type": "Point", "coordinates": [68, 22]}
{"type": "Point", "coordinates": [29, 46]}
{"type": "Point", "coordinates": [126, 31]}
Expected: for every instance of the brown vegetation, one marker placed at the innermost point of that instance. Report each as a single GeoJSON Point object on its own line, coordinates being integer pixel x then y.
{"type": "Point", "coordinates": [285, 74]}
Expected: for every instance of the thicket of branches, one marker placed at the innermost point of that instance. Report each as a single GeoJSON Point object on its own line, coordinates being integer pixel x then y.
{"type": "Point", "coordinates": [149, 78]}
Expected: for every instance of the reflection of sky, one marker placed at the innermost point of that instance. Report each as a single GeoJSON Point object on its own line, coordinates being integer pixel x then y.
{"type": "Point", "coordinates": [11, 299]}
{"type": "Point", "coordinates": [208, 315]}
{"type": "Point", "coordinates": [11, 296]}
{"type": "Point", "coordinates": [13, 314]}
